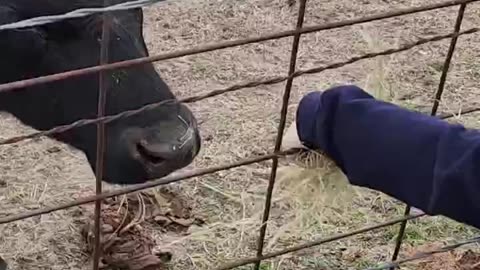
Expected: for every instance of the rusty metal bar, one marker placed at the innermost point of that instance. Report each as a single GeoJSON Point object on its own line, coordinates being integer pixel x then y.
{"type": "Point", "coordinates": [281, 127]}
{"type": "Point", "coordinates": [134, 188]}
{"type": "Point", "coordinates": [99, 164]}
{"type": "Point", "coordinates": [463, 112]}
{"type": "Point", "coordinates": [448, 60]}
{"type": "Point", "coordinates": [75, 14]}
{"type": "Point", "coordinates": [436, 103]}
{"type": "Point", "coordinates": [275, 80]}
{"type": "Point", "coordinates": [167, 180]}
{"type": "Point", "coordinates": [423, 255]}
{"type": "Point", "coordinates": [311, 244]}
{"type": "Point", "coordinates": [226, 44]}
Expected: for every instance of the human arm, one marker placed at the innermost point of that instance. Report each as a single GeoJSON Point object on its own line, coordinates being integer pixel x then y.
{"type": "Point", "coordinates": [421, 160]}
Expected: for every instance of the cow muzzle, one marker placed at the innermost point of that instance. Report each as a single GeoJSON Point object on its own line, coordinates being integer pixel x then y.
{"type": "Point", "coordinates": [164, 150]}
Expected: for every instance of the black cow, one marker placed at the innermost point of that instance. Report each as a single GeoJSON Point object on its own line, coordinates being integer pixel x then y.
{"type": "Point", "coordinates": [140, 148]}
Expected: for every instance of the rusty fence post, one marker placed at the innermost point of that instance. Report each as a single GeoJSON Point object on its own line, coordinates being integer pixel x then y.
{"type": "Point", "coordinates": [436, 104]}
{"type": "Point", "coordinates": [281, 128]}
{"type": "Point", "coordinates": [99, 166]}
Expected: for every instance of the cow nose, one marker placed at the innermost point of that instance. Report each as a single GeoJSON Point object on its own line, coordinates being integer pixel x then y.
{"type": "Point", "coordinates": [156, 153]}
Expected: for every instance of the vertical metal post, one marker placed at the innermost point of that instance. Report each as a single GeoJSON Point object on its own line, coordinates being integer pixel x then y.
{"type": "Point", "coordinates": [105, 42]}
{"type": "Point", "coordinates": [281, 128]}
{"type": "Point", "coordinates": [436, 104]}
{"type": "Point", "coordinates": [448, 60]}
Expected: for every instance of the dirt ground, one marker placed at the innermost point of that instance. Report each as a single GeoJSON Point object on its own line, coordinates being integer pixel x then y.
{"type": "Point", "coordinates": [237, 125]}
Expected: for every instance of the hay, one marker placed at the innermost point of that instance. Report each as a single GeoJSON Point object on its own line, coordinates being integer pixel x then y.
{"type": "Point", "coordinates": [315, 182]}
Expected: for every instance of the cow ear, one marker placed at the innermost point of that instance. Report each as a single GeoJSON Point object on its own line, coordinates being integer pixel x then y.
{"type": "Point", "coordinates": [27, 41]}
{"type": "Point", "coordinates": [137, 28]}
{"type": "Point", "coordinates": [138, 24]}
{"type": "Point", "coordinates": [127, 22]}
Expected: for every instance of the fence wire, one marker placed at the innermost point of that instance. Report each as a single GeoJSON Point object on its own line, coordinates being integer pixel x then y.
{"type": "Point", "coordinates": [169, 179]}
{"type": "Point", "coordinates": [311, 244]}
{"type": "Point", "coordinates": [100, 153]}
{"type": "Point", "coordinates": [293, 73]}
{"type": "Point", "coordinates": [237, 87]}
{"type": "Point", "coordinates": [173, 178]}
{"type": "Point", "coordinates": [79, 13]}
{"type": "Point", "coordinates": [223, 45]}
{"type": "Point", "coordinates": [280, 130]}
{"type": "Point", "coordinates": [436, 104]}
{"type": "Point", "coordinates": [423, 255]}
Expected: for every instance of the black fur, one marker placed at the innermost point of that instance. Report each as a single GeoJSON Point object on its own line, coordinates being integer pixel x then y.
{"type": "Point", "coordinates": [73, 44]}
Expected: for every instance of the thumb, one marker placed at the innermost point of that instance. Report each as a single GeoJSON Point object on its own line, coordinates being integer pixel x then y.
{"type": "Point", "coordinates": [290, 139]}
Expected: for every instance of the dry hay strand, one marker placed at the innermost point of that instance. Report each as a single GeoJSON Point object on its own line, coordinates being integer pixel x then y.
{"type": "Point", "coordinates": [315, 180]}
{"type": "Point", "coordinates": [125, 240]}
{"type": "Point", "coordinates": [316, 191]}
{"type": "Point", "coordinates": [452, 260]}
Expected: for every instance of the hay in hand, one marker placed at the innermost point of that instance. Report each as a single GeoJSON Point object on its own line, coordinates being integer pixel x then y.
{"type": "Point", "coordinates": [316, 193]}
{"type": "Point", "coordinates": [314, 181]}
{"type": "Point", "coordinates": [126, 244]}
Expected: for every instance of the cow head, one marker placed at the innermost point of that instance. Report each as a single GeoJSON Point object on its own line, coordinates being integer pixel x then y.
{"type": "Point", "coordinates": [148, 145]}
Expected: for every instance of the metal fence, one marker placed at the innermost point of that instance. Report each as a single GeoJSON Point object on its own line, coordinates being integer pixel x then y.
{"type": "Point", "coordinates": [292, 74]}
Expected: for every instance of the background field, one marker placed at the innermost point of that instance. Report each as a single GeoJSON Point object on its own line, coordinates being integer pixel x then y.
{"type": "Point", "coordinates": [237, 125]}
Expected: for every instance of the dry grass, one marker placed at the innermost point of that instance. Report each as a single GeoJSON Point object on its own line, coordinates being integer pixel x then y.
{"type": "Point", "coordinates": [238, 124]}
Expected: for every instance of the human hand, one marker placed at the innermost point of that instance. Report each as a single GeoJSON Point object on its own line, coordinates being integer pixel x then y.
{"type": "Point", "coordinates": [3, 264]}
{"type": "Point", "coordinates": [291, 139]}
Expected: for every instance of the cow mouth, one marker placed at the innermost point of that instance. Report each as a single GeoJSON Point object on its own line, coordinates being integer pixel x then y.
{"type": "Point", "coordinates": [148, 156]}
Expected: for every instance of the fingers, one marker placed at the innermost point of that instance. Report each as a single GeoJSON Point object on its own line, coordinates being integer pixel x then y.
{"type": "Point", "coordinates": [3, 264]}
{"type": "Point", "coordinates": [290, 139]}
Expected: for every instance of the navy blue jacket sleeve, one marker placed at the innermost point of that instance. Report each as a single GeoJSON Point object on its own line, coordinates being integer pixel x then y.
{"type": "Point", "coordinates": [419, 159]}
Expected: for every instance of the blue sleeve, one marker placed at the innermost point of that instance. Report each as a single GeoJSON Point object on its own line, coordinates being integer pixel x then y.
{"type": "Point", "coordinates": [419, 159]}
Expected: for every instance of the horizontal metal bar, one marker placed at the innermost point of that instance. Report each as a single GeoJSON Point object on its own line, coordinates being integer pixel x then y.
{"type": "Point", "coordinates": [316, 243]}
{"type": "Point", "coordinates": [78, 13]}
{"type": "Point", "coordinates": [222, 45]}
{"type": "Point", "coordinates": [133, 188]}
{"type": "Point", "coordinates": [423, 255]}
{"type": "Point", "coordinates": [126, 114]}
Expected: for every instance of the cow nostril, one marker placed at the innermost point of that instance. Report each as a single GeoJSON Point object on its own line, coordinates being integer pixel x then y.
{"type": "Point", "coordinates": [148, 155]}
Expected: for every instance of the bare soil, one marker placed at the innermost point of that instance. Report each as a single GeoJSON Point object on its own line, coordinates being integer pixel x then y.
{"type": "Point", "coordinates": [240, 124]}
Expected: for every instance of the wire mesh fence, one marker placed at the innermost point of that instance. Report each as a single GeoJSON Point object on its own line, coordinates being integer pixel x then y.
{"type": "Point", "coordinates": [293, 73]}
